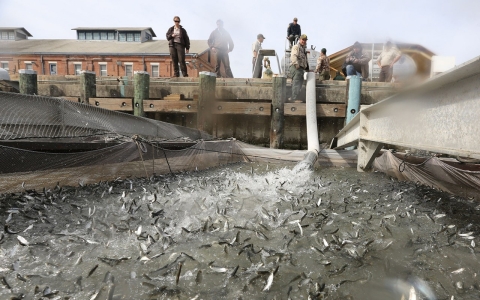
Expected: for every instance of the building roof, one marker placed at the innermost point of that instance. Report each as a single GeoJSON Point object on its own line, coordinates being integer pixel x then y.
{"type": "Point", "coordinates": [86, 47]}
{"type": "Point", "coordinates": [16, 28]}
{"type": "Point", "coordinates": [117, 29]}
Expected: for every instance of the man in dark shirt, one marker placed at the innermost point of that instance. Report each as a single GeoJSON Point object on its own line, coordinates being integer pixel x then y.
{"type": "Point", "coordinates": [293, 32]}
{"type": "Point", "coordinates": [221, 43]}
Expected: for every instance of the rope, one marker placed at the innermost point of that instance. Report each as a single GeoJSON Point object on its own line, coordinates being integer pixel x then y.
{"type": "Point", "coordinates": [140, 150]}
{"type": "Point", "coordinates": [404, 161]}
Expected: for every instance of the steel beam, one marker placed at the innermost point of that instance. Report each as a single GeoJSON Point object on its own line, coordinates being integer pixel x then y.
{"type": "Point", "coordinates": [440, 115]}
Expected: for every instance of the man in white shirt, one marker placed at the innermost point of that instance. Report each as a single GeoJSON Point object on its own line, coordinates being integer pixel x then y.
{"type": "Point", "coordinates": [256, 46]}
{"type": "Point", "coordinates": [389, 56]}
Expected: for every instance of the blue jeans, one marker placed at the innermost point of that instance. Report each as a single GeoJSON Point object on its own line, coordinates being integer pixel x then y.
{"type": "Point", "coordinates": [351, 71]}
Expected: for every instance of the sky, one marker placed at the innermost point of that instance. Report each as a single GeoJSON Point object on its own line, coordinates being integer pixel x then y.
{"type": "Point", "coordinates": [448, 28]}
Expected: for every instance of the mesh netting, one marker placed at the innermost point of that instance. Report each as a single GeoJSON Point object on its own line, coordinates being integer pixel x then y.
{"type": "Point", "coordinates": [26, 117]}
{"type": "Point", "coordinates": [432, 172]}
{"type": "Point", "coordinates": [22, 169]}
{"type": "Point", "coordinates": [134, 146]}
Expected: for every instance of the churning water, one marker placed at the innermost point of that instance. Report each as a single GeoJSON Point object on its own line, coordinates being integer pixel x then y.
{"type": "Point", "coordinates": [247, 231]}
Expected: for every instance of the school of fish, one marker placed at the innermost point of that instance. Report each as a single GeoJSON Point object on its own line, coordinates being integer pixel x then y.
{"type": "Point", "coordinates": [244, 231]}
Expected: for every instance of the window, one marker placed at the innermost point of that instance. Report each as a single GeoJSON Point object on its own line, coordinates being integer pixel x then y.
{"type": "Point", "coordinates": [103, 35]}
{"type": "Point", "coordinates": [103, 69]}
{"type": "Point", "coordinates": [77, 68]}
{"type": "Point", "coordinates": [81, 35]}
{"type": "Point", "coordinates": [128, 69]}
{"type": "Point", "coordinates": [148, 36]}
{"type": "Point", "coordinates": [111, 35]}
{"type": "Point", "coordinates": [137, 37]}
{"type": "Point", "coordinates": [4, 35]}
{"type": "Point", "coordinates": [53, 68]}
{"type": "Point", "coordinates": [4, 65]}
{"type": "Point", "coordinates": [129, 37]}
{"type": "Point", "coordinates": [28, 66]}
{"type": "Point", "coordinates": [155, 69]}
{"type": "Point", "coordinates": [122, 37]}
{"type": "Point", "coordinates": [88, 35]}
{"type": "Point", "coordinates": [11, 35]}
{"type": "Point", "coordinates": [96, 35]}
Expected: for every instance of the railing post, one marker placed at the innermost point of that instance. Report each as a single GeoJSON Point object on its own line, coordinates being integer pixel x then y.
{"type": "Point", "coordinates": [277, 124]}
{"type": "Point", "coordinates": [141, 92]}
{"type": "Point", "coordinates": [28, 82]}
{"type": "Point", "coordinates": [206, 99]}
{"type": "Point", "coordinates": [88, 86]}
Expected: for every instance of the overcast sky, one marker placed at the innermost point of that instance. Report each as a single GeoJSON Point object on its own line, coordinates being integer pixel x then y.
{"type": "Point", "coordinates": [448, 28]}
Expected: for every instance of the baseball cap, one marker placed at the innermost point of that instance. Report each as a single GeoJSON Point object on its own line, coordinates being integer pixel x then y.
{"type": "Point", "coordinates": [303, 37]}
{"type": "Point", "coordinates": [260, 36]}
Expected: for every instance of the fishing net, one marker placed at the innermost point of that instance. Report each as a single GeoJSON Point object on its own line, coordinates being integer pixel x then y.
{"type": "Point", "coordinates": [448, 176]}
{"type": "Point", "coordinates": [87, 144]}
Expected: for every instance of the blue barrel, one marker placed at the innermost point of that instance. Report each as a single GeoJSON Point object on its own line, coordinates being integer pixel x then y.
{"type": "Point", "coordinates": [354, 94]}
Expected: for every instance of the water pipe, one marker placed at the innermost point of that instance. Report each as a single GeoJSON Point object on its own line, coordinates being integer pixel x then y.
{"type": "Point", "coordinates": [312, 131]}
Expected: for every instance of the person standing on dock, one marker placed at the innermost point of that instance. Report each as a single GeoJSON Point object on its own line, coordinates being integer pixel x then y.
{"type": "Point", "coordinates": [293, 32]}
{"type": "Point", "coordinates": [298, 66]}
{"type": "Point", "coordinates": [389, 56]}
{"type": "Point", "coordinates": [221, 43]}
{"type": "Point", "coordinates": [257, 46]}
{"type": "Point", "coordinates": [179, 45]}
{"type": "Point", "coordinates": [323, 65]}
{"type": "Point", "coordinates": [356, 62]}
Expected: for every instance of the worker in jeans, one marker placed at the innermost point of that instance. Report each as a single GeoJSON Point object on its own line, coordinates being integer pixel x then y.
{"type": "Point", "coordinates": [298, 66]}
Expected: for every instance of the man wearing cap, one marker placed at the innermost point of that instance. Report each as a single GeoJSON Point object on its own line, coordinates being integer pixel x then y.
{"type": "Point", "coordinates": [257, 45]}
{"type": "Point", "coordinates": [356, 62]}
{"type": "Point", "coordinates": [293, 31]}
{"type": "Point", "coordinates": [221, 43]}
{"type": "Point", "coordinates": [323, 65]}
{"type": "Point", "coordinates": [389, 56]}
{"type": "Point", "coordinates": [298, 65]}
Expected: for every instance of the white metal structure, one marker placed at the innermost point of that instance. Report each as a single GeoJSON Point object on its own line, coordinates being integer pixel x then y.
{"type": "Point", "coordinates": [440, 115]}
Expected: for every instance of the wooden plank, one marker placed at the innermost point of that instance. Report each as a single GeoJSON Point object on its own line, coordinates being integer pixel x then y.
{"type": "Point", "coordinates": [174, 97]}
{"type": "Point", "coordinates": [242, 108]}
{"type": "Point", "coordinates": [336, 110]}
{"type": "Point", "coordinates": [119, 104]}
{"type": "Point", "coordinates": [170, 106]}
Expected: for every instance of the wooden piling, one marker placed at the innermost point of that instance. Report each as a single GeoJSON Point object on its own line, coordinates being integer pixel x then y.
{"type": "Point", "coordinates": [28, 82]}
{"type": "Point", "coordinates": [277, 123]}
{"type": "Point", "coordinates": [206, 100]}
{"type": "Point", "coordinates": [141, 92]}
{"type": "Point", "coordinates": [88, 86]}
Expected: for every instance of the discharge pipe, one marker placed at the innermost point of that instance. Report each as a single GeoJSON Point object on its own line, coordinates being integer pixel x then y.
{"type": "Point", "coordinates": [312, 132]}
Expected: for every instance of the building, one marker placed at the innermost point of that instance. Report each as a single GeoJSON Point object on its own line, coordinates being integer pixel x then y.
{"type": "Point", "coordinates": [415, 61]}
{"type": "Point", "coordinates": [107, 51]}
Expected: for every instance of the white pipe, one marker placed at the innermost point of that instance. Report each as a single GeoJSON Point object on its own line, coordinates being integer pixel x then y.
{"type": "Point", "coordinates": [311, 113]}
{"type": "Point", "coordinates": [312, 132]}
